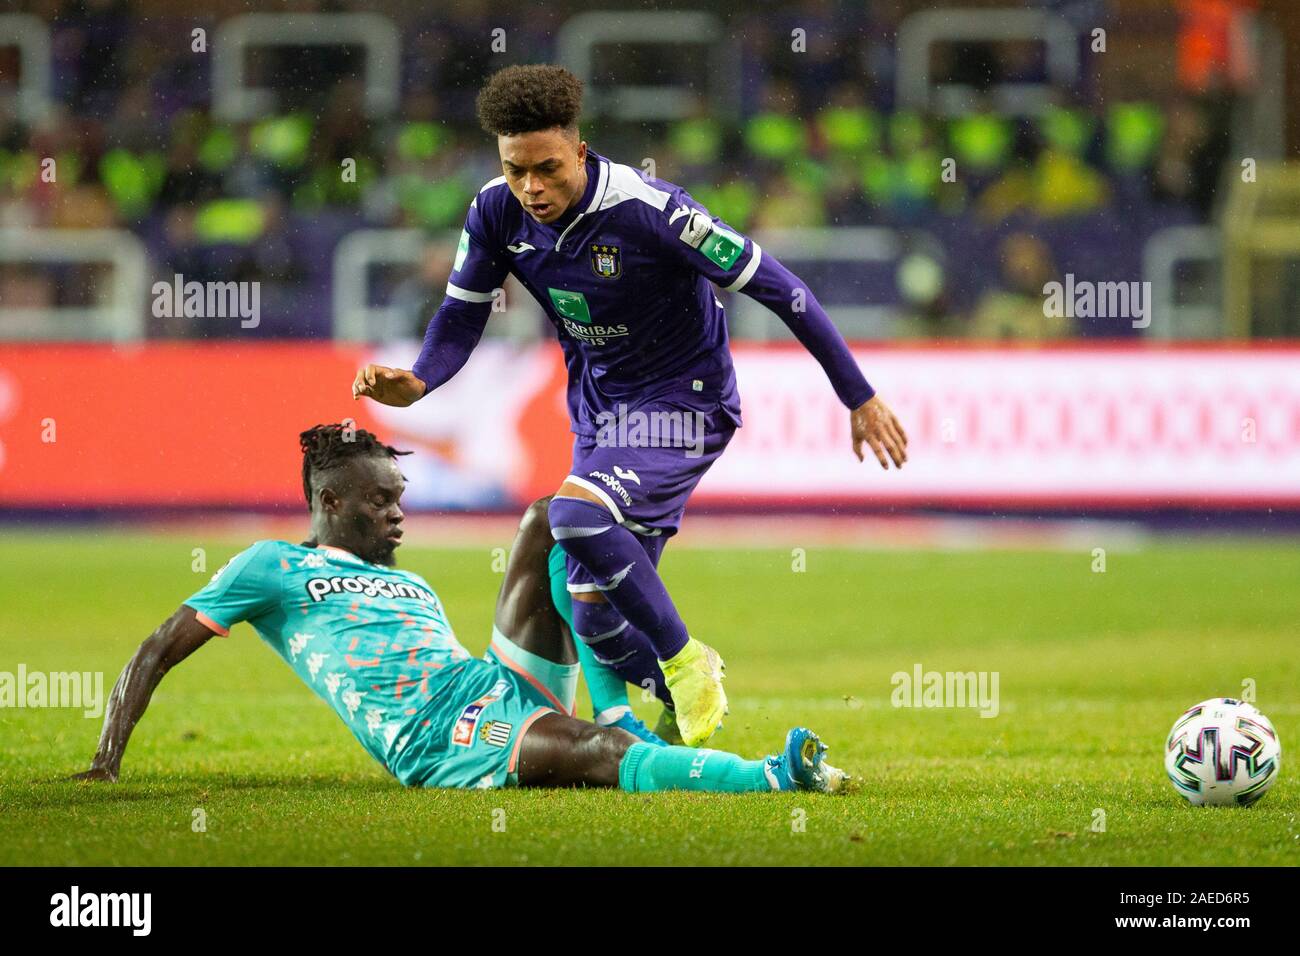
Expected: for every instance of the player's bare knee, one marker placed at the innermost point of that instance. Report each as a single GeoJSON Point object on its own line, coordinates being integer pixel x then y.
{"type": "Point", "coordinates": [611, 742]}
{"type": "Point", "coordinates": [536, 517]}
{"type": "Point", "coordinates": [534, 536]}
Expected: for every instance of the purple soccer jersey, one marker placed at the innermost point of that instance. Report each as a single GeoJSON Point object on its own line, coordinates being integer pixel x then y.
{"type": "Point", "coordinates": [624, 276]}
{"type": "Point", "coordinates": [645, 488]}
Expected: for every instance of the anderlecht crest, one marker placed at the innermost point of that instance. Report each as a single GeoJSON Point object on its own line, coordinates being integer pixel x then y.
{"type": "Point", "coordinates": [605, 261]}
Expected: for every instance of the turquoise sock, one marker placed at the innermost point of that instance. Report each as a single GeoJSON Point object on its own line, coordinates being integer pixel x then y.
{"type": "Point", "coordinates": [647, 769]}
{"type": "Point", "coordinates": [608, 690]}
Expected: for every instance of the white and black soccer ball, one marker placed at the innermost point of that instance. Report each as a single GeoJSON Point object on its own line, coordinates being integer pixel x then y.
{"type": "Point", "coordinates": [1222, 752]}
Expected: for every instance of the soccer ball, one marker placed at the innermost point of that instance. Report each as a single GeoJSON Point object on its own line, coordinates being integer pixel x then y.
{"type": "Point", "coordinates": [1222, 753]}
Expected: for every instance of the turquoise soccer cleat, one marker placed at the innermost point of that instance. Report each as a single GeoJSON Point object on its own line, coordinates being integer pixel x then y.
{"type": "Point", "coordinates": [637, 728]}
{"type": "Point", "coordinates": [802, 766]}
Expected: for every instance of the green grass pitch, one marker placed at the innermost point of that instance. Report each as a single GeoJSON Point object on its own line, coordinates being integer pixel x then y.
{"type": "Point", "coordinates": [1094, 667]}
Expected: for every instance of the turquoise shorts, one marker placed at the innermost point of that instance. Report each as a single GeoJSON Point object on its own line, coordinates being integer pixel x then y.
{"type": "Point", "coordinates": [486, 711]}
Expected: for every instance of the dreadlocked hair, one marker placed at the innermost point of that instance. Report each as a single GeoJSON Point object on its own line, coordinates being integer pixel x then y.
{"type": "Point", "coordinates": [327, 446]}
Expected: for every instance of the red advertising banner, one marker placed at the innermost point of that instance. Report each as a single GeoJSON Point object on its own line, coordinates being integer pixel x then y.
{"type": "Point", "coordinates": [1102, 426]}
{"type": "Point", "coordinates": [165, 424]}
{"type": "Point", "coordinates": [216, 425]}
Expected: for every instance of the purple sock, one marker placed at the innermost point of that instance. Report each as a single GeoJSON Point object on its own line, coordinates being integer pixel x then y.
{"type": "Point", "coordinates": [619, 645]}
{"type": "Point", "coordinates": [622, 570]}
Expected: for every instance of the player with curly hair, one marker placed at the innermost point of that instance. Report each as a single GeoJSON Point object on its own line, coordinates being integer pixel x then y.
{"type": "Point", "coordinates": [622, 265]}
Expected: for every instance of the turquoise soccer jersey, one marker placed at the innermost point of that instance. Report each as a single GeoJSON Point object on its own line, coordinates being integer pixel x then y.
{"type": "Point", "coordinates": [375, 644]}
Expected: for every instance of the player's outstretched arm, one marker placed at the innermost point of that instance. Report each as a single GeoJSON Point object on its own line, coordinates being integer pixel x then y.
{"type": "Point", "coordinates": [454, 330]}
{"type": "Point", "coordinates": [390, 386]}
{"type": "Point", "coordinates": [452, 334]}
{"type": "Point", "coordinates": [870, 420]}
{"type": "Point", "coordinates": [175, 639]}
{"type": "Point", "coordinates": [736, 263]}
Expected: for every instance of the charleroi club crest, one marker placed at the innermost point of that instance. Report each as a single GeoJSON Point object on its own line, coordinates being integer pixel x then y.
{"type": "Point", "coordinates": [605, 261]}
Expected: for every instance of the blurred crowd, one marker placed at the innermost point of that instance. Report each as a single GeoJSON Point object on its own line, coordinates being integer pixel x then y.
{"type": "Point", "coordinates": [820, 142]}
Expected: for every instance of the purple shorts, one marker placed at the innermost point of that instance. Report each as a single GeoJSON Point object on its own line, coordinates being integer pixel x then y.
{"type": "Point", "coordinates": [644, 470]}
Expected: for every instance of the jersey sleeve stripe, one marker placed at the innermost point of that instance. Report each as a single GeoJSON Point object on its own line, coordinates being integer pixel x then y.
{"type": "Point", "coordinates": [748, 272]}
{"type": "Point", "coordinates": [211, 625]}
{"type": "Point", "coordinates": [466, 295]}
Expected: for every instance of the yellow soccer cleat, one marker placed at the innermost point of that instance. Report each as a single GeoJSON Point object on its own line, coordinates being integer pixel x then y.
{"type": "Point", "coordinates": [694, 678]}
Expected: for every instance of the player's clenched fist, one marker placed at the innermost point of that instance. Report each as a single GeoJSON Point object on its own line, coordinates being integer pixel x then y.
{"type": "Point", "coordinates": [390, 386]}
{"type": "Point", "coordinates": [874, 424]}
